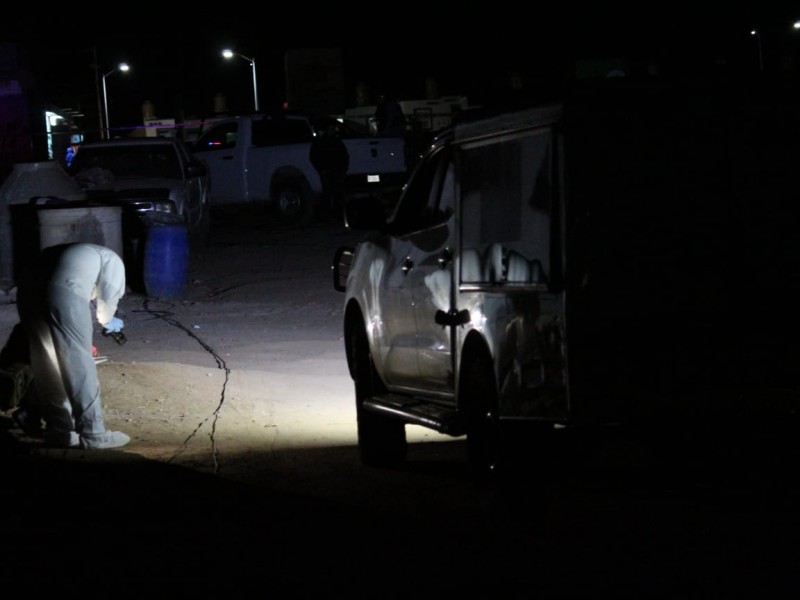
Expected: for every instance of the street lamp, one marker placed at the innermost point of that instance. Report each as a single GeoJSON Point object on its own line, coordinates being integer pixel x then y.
{"type": "Point", "coordinates": [227, 53]}
{"type": "Point", "coordinates": [754, 32]}
{"type": "Point", "coordinates": [121, 67]}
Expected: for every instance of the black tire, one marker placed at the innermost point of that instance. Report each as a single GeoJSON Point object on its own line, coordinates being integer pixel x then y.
{"type": "Point", "coordinates": [381, 439]}
{"type": "Point", "coordinates": [202, 230]}
{"type": "Point", "coordinates": [293, 203]}
{"type": "Point", "coordinates": [485, 445]}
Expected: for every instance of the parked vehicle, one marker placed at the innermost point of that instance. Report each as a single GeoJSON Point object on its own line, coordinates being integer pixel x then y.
{"type": "Point", "coordinates": [595, 262]}
{"type": "Point", "coordinates": [262, 161]}
{"type": "Point", "coordinates": [379, 166]}
{"type": "Point", "coordinates": [154, 177]}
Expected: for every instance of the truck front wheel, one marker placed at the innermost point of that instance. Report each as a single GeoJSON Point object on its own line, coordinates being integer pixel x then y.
{"type": "Point", "coordinates": [199, 234]}
{"type": "Point", "coordinates": [381, 439]}
{"type": "Point", "coordinates": [293, 203]}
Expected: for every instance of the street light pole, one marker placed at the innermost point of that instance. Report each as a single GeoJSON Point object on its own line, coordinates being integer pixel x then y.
{"type": "Point", "coordinates": [255, 85]}
{"type": "Point", "coordinates": [96, 69]}
{"type": "Point", "coordinates": [754, 33]}
{"type": "Point", "coordinates": [227, 53]}
{"type": "Point", "coordinates": [122, 67]}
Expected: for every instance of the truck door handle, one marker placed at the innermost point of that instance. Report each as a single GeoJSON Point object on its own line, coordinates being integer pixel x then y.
{"type": "Point", "coordinates": [452, 318]}
{"type": "Point", "coordinates": [408, 264]}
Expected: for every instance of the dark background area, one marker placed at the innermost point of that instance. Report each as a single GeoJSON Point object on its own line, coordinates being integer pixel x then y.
{"type": "Point", "coordinates": [485, 52]}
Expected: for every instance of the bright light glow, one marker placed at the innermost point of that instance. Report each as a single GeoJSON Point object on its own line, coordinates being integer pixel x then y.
{"type": "Point", "coordinates": [261, 413]}
{"type": "Point", "coordinates": [478, 319]}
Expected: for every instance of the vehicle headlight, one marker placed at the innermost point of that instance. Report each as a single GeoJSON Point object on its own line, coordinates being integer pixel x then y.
{"type": "Point", "coordinates": [155, 205]}
{"type": "Point", "coordinates": [165, 206]}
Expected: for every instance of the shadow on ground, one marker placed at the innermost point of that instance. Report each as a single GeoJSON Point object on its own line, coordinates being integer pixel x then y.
{"type": "Point", "coordinates": [723, 521]}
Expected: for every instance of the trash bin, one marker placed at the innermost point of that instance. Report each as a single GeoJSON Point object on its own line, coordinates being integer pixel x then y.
{"type": "Point", "coordinates": [18, 225]}
{"type": "Point", "coordinates": [166, 258]}
{"type": "Point", "coordinates": [100, 225]}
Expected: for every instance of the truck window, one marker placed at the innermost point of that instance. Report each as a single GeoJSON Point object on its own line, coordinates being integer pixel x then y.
{"type": "Point", "coordinates": [443, 199]}
{"type": "Point", "coordinates": [420, 199]}
{"type": "Point", "coordinates": [220, 137]}
{"type": "Point", "coordinates": [130, 161]}
{"type": "Point", "coordinates": [506, 203]}
{"type": "Point", "coordinates": [281, 131]}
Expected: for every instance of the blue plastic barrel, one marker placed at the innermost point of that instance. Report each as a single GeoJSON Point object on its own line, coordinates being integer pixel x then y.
{"type": "Point", "coordinates": [166, 260]}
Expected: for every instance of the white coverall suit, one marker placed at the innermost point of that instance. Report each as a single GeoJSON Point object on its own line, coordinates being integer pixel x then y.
{"type": "Point", "coordinates": [57, 312]}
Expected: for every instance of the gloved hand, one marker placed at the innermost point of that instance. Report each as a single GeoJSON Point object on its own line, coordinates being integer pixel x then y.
{"type": "Point", "coordinates": [115, 325]}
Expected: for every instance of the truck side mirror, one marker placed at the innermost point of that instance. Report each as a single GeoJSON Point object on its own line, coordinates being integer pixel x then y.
{"type": "Point", "coordinates": [196, 169]}
{"type": "Point", "coordinates": [364, 213]}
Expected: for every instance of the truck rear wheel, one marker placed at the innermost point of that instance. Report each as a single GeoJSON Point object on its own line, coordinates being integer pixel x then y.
{"type": "Point", "coordinates": [381, 439]}
{"type": "Point", "coordinates": [293, 203]}
{"type": "Point", "coordinates": [484, 437]}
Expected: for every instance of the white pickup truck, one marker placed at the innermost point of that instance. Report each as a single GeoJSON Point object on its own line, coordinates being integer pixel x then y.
{"type": "Point", "coordinates": [262, 160]}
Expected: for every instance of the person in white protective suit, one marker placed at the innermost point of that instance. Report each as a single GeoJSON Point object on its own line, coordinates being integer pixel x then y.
{"type": "Point", "coordinates": [55, 306]}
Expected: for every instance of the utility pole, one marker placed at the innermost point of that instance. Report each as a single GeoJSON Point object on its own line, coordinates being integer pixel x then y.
{"type": "Point", "coordinates": [96, 67]}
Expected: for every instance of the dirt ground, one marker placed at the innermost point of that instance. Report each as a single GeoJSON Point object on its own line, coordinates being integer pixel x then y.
{"type": "Point", "coordinates": [240, 408]}
{"type": "Point", "coordinates": [248, 360]}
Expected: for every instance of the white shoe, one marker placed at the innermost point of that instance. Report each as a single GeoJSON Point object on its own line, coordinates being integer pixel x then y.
{"type": "Point", "coordinates": [103, 441]}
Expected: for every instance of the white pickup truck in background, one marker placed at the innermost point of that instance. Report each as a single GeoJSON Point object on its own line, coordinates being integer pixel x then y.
{"type": "Point", "coordinates": [262, 160]}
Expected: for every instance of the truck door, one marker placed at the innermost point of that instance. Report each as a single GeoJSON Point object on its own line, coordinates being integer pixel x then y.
{"type": "Point", "coordinates": [433, 284]}
{"type": "Point", "coordinates": [218, 148]}
{"type": "Point", "coordinates": [417, 282]}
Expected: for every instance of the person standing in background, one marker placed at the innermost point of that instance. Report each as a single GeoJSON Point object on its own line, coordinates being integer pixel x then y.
{"type": "Point", "coordinates": [328, 154]}
{"type": "Point", "coordinates": [389, 118]}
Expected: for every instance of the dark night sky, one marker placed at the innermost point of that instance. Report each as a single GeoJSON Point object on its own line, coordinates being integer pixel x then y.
{"type": "Point", "coordinates": [176, 63]}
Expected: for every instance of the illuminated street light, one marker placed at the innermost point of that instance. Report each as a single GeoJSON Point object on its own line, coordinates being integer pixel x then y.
{"type": "Point", "coordinates": [754, 32]}
{"type": "Point", "coordinates": [227, 53]}
{"type": "Point", "coordinates": [122, 67]}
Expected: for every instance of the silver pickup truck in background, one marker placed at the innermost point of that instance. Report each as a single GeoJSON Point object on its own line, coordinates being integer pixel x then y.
{"type": "Point", "coordinates": [262, 160]}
